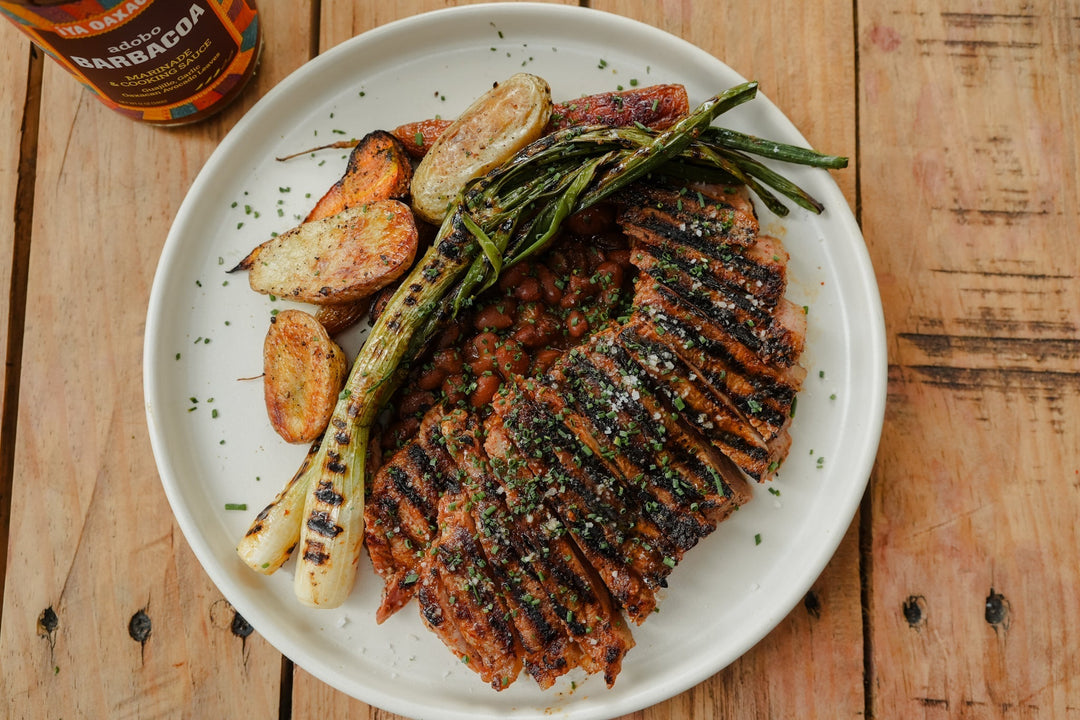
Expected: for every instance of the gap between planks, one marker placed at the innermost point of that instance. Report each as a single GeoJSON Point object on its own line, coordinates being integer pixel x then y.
{"type": "Point", "coordinates": [20, 263]}
{"type": "Point", "coordinates": [866, 524]}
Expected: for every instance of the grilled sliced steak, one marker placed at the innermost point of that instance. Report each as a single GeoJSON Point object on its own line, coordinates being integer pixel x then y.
{"type": "Point", "coordinates": [687, 213]}
{"type": "Point", "coordinates": [650, 445]}
{"type": "Point", "coordinates": [548, 650]}
{"type": "Point", "coordinates": [399, 518]}
{"type": "Point", "coordinates": [573, 586]}
{"type": "Point", "coordinates": [461, 603]}
{"type": "Point", "coordinates": [583, 494]}
{"type": "Point", "coordinates": [533, 529]}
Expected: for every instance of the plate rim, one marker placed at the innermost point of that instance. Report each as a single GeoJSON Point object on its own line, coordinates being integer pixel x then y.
{"type": "Point", "coordinates": [874, 343]}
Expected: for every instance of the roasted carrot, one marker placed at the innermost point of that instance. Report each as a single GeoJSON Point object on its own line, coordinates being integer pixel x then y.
{"type": "Point", "coordinates": [418, 136]}
{"type": "Point", "coordinates": [378, 168]}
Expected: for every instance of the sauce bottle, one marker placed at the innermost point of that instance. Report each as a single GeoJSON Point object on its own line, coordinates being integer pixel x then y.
{"type": "Point", "coordinates": [166, 62]}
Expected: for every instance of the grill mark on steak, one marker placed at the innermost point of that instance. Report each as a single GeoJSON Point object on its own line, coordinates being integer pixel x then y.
{"type": "Point", "coordinates": [662, 523]}
{"type": "Point", "coordinates": [691, 211]}
{"type": "Point", "coordinates": [703, 477]}
{"type": "Point", "coordinates": [586, 499]}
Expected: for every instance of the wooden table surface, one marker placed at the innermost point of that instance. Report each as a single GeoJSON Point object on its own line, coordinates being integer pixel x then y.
{"type": "Point", "coordinates": [956, 591]}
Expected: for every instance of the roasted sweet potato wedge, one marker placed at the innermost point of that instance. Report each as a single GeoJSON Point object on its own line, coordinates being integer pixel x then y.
{"type": "Point", "coordinates": [336, 259]}
{"type": "Point", "coordinates": [378, 168]}
{"type": "Point", "coordinates": [303, 372]}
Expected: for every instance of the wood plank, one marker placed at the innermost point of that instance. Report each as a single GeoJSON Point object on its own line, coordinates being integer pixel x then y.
{"type": "Point", "coordinates": [970, 171]}
{"type": "Point", "coordinates": [827, 627]}
{"type": "Point", "coordinates": [14, 66]}
{"type": "Point", "coordinates": [106, 611]}
{"type": "Point", "coordinates": [19, 90]}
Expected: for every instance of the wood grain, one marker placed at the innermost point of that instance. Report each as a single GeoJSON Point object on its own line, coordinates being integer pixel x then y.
{"type": "Point", "coordinates": [19, 89]}
{"type": "Point", "coordinates": [969, 128]}
{"type": "Point", "coordinates": [106, 611]}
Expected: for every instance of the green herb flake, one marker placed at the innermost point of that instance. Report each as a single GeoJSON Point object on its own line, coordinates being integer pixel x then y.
{"type": "Point", "coordinates": [236, 506]}
{"type": "Point", "coordinates": [757, 539]}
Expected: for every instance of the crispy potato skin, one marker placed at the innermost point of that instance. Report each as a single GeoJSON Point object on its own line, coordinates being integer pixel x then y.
{"type": "Point", "coordinates": [498, 124]}
{"type": "Point", "coordinates": [378, 168]}
{"type": "Point", "coordinates": [340, 316]}
{"type": "Point", "coordinates": [337, 259]}
{"type": "Point", "coordinates": [304, 370]}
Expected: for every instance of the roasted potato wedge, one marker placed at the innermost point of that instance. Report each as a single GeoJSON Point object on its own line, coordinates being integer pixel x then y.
{"type": "Point", "coordinates": [303, 372]}
{"type": "Point", "coordinates": [340, 316]}
{"type": "Point", "coordinates": [498, 124]}
{"type": "Point", "coordinates": [336, 259]}
{"type": "Point", "coordinates": [378, 168]}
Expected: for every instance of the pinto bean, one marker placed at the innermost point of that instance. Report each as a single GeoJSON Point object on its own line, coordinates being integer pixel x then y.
{"type": "Point", "coordinates": [528, 290]}
{"type": "Point", "coordinates": [535, 326]}
{"type": "Point", "coordinates": [512, 359]}
{"type": "Point", "coordinates": [576, 324]}
{"type": "Point", "coordinates": [480, 352]}
{"type": "Point", "coordinates": [578, 289]}
{"type": "Point", "coordinates": [398, 433]}
{"type": "Point", "coordinates": [608, 274]}
{"type": "Point", "coordinates": [549, 285]}
{"type": "Point", "coordinates": [414, 403]}
{"type": "Point", "coordinates": [496, 316]}
{"type": "Point", "coordinates": [431, 379]}
{"type": "Point", "coordinates": [454, 389]}
{"type": "Point", "coordinates": [486, 386]}
{"type": "Point", "coordinates": [448, 360]}
{"type": "Point", "coordinates": [592, 221]}
{"type": "Point", "coordinates": [513, 277]}
{"type": "Point", "coordinates": [448, 337]}
{"type": "Point", "coordinates": [544, 359]}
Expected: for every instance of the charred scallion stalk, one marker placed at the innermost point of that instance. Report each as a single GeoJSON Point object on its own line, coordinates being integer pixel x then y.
{"type": "Point", "coordinates": [509, 214]}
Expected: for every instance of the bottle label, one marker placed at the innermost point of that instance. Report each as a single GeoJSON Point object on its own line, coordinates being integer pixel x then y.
{"type": "Point", "coordinates": [156, 61]}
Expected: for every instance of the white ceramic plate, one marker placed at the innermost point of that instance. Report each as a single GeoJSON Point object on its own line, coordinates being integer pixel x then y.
{"type": "Point", "coordinates": [205, 331]}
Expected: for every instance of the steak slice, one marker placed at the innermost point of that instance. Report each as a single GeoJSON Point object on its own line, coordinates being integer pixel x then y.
{"type": "Point", "coordinates": [698, 486]}
{"type": "Point", "coordinates": [547, 648]}
{"type": "Point", "coordinates": [581, 493]}
{"type": "Point", "coordinates": [399, 517]}
{"type": "Point", "coordinates": [688, 213]}
{"type": "Point", "coordinates": [572, 585]}
{"type": "Point", "coordinates": [461, 602]}
{"type": "Point", "coordinates": [776, 337]}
